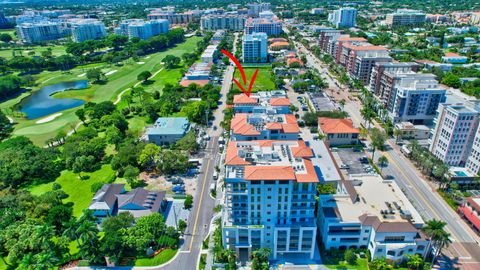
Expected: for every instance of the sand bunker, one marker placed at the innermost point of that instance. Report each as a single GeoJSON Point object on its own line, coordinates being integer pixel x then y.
{"type": "Point", "coordinates": [110, 72]}
{"type": "Point", "coordinates": [48, 118]}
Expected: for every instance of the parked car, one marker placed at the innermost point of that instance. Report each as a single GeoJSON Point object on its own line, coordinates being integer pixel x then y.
{"type": "Point", "coordinates": [344, 166]}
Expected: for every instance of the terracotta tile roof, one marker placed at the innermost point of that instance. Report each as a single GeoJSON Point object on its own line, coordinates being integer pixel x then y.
{"type": "Point", "coordinates": [351, 39]}
{"type": "Point", "coordinates": [279, 102]}
{"type": "Point", "coordinates": [302, 150]}
{"type": "Point", "coordinates": [243, 99]}
{"type": "Point", "coordinates": [290, 119]}
{"type": "Point", "coordinates": [379, 226]}
{"type": "Point", "coordinates": [310, 176]}
{"type": "Point", "coordinates": [269, 173]}
{"type": "Point", "coordinates": [451, 54]}
{"type": "Point", "coordinates": [365, 47]}
{"type": "Point", "coordinates": [279, 44]}
{"type": "Point", "coordinates": [272, 40]}
{"type": "Point", "coordinates": [273, 126]}
{"type": "Point", "coordinates": [239, 125]}
{"type": "Point", "coordinates": [334, 126]}
{"type": "Point", "coordinates": [186, 83]}
{"type": "Point", "coordinates": [294, 60]}
{"type": "Point", "coordinates": [291, 128]}
{"type": "Point", "coordinates": [468, 214]}
{"type": "Point", "coordinates": [473, 203]}
{"type": "Point", "coordinates": [231, 157]}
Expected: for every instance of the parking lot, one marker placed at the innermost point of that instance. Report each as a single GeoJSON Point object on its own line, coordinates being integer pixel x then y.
{"type": "Point", "coordinates": [351, 158]}
{"type": "Point", "coordinates": [321, 102]}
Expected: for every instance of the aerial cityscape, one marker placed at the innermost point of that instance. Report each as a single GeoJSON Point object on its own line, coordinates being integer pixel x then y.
{"type": "Point", "coordinates": [202, 135]}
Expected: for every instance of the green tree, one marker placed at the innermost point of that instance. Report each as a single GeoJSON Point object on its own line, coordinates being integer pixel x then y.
{"type": "Point", "coordinates": [171, 61]}
{"type": "Point", "coordinates": [398, 134]}
{"type": "Point", "coordinates": [95, 75]}
{"type": "Point", "coordinates": [451, 80]}
{"type": "Point", "coordinates": [260, 259]}
{"type": "Point", "coordinates": [415, 262]}
{"type": "Point", "coordinates": [148, 156]}
{"type": "Point", "coordinates": [439, 238]}
{"type": "Point", "coordinates": [188, 203]}
{"type": "Point", "coordinates": [5, 37]}
{"type": "Point", "coordinates": [80, 113]}
{"type": "Point", "coordinates": [188, 143]}
{"type": "Point", "coordinates": [144, 75]}
{"type": "Point", "coordinates": [350, 256]}
{"type": "Point", "coordinates": [378, 140]}
{"type": "Point", "coordinates": [379, 264]}
{"type": "Point", "coordinates": [131, 174]}
{"type": "Point", "coordinates": [6, 127]}
{"type": "Point", "coordinates": [367, 114]}
{"type": "Point", "coordinates": [383, 162]}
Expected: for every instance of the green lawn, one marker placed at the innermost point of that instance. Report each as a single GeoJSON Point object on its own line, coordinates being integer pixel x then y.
{"type": "Point", "coordinates": [79, 191]}
{"type": "Point", "coordinates": [7, 53]}
{"type": "Point", "coordinates": [124, 77]}
{"type": "Point", "coordinates": [161, 258]}
{"type": "Point", "coordinates": [362, 264]}
{"type": "Point", "coordinates": [263, 82]}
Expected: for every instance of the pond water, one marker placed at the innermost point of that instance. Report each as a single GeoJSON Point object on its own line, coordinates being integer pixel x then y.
{"type": "Point", "coordinates": [41, 102]}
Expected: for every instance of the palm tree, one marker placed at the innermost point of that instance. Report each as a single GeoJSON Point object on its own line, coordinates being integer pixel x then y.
{"type": "Point", "coordinates": [379, 264]}
{"type": "Point", "coordinates": [46, 260]}
{"type": "Point", "coordinates": [435, 230]}
{"type": "Point", "coordinates": [71, 231]}
{"type": "Point", "coordinates": [383, 162]}
{"type": "Point", "coordinates": [440, 172]}
{"type": "Point", "coordinates": [367, 114]}
{"type": "Point", "coordinates": [442, 240]}
{"type": "Point", "coordinates": [398, 134]}
{"type": "Point", "coordinates": [414, 261]}
{"type": "Point", "coordinates": [87, 232]}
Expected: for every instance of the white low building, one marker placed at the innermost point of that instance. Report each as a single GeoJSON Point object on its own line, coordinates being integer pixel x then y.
{"type": "Point", "coordinates": [369, 212]}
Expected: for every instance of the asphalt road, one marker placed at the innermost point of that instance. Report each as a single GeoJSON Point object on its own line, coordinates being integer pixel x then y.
{"type": "Point", "coordinates": [464, 252]}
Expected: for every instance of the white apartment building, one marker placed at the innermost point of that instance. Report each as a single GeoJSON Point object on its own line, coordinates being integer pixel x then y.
{"type": "Point", "coordinates": [255, 48]}
{"type": "Point", "coordinates": [405, 17]}
{"type": "Point", "coordinates": [262, 25]}
{"type": "Point", "coordinates": [40, 31]}
{"type": "Point", "coordinates": [270, 197]}
{"type": "Point", "coordinates": [210, 53]}
{"type": "Point", "coordinates": [456, 128]}
{"type": "Point", "coordinates": [415, 98]}
{"type": "Point", "coordinates": [369, 212]}
{"type": "Point", "coordinates": [254, 9]}
{"type": "Point", "coordinates": [222, 22]}
{"type": "Point", "coordinates": [344, 17]}
{"type": "Point", "coordinates": [88, 29]}
{"type": "Point", "coordinates": [142, 29]}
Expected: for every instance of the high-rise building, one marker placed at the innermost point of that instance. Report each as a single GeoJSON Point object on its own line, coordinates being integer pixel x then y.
{"type": "Point", "coordinates": [255, 48]}
{"type": "Point", "coordinates": [3, 21]}
{"type": "Point", "coordinates": [88, 29]}
{"type": "Point", "coordinates": [40, 31]}
{"type": "Point", "coordinates": [344, 17]}
{"type": "Point", "coordinates": [456, 128]}
{"type": "Point", "coordinates": [326, 39]}
{"type": "Point", "coordinates": [271, 27]}
{"type": "Point", "coordinates": [222, 22]}
{"type": "Point", "coordinates": [405, 17]}
{"type": "Point", "coordinates": [415, 98]}
{"type": "Point", "coordinates": [382, 78]}
{"type": "Point", "coordinates": [254, 9]}
{"type": "Point", "coordinates": [142, 29]}
{"type": "Point", "coordinates": [359, 59]}
{"type": "Point", "coordinates": [270, 198]}
{"type": "Point", "coordinates": [173, 17]}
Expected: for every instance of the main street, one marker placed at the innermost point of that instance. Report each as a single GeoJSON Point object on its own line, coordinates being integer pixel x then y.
{"type": "Point", "coordinates": [465, 250]}
{"type": "Point", "coordinates": [202, 212]}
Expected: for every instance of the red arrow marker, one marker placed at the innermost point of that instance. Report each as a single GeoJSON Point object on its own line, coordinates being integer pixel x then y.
{"type": "Point", "coordinates": [242, 73]}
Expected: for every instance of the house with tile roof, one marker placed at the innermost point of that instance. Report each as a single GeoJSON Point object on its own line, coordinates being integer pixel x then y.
{"type": "Point", "coordinates": [270, 197]}
{"type": "Point", "coordinates": [112, 199]}
{"type": "Point", "coordinates": [272, 102]}
{"type": "Point", "coordinates": [379, 218]}
{"type": "Point", "coordinates": [470, 211]}
{"type": "Point", "coordinates": [338, 131]}
{"type": "Point", "coordinates": [262, 126]}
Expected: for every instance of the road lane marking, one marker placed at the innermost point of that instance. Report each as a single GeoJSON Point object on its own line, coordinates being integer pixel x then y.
{"type": "Point", "coordinates": [420, 196]}
{"type": "Point", "coordinates": [199, 205]}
